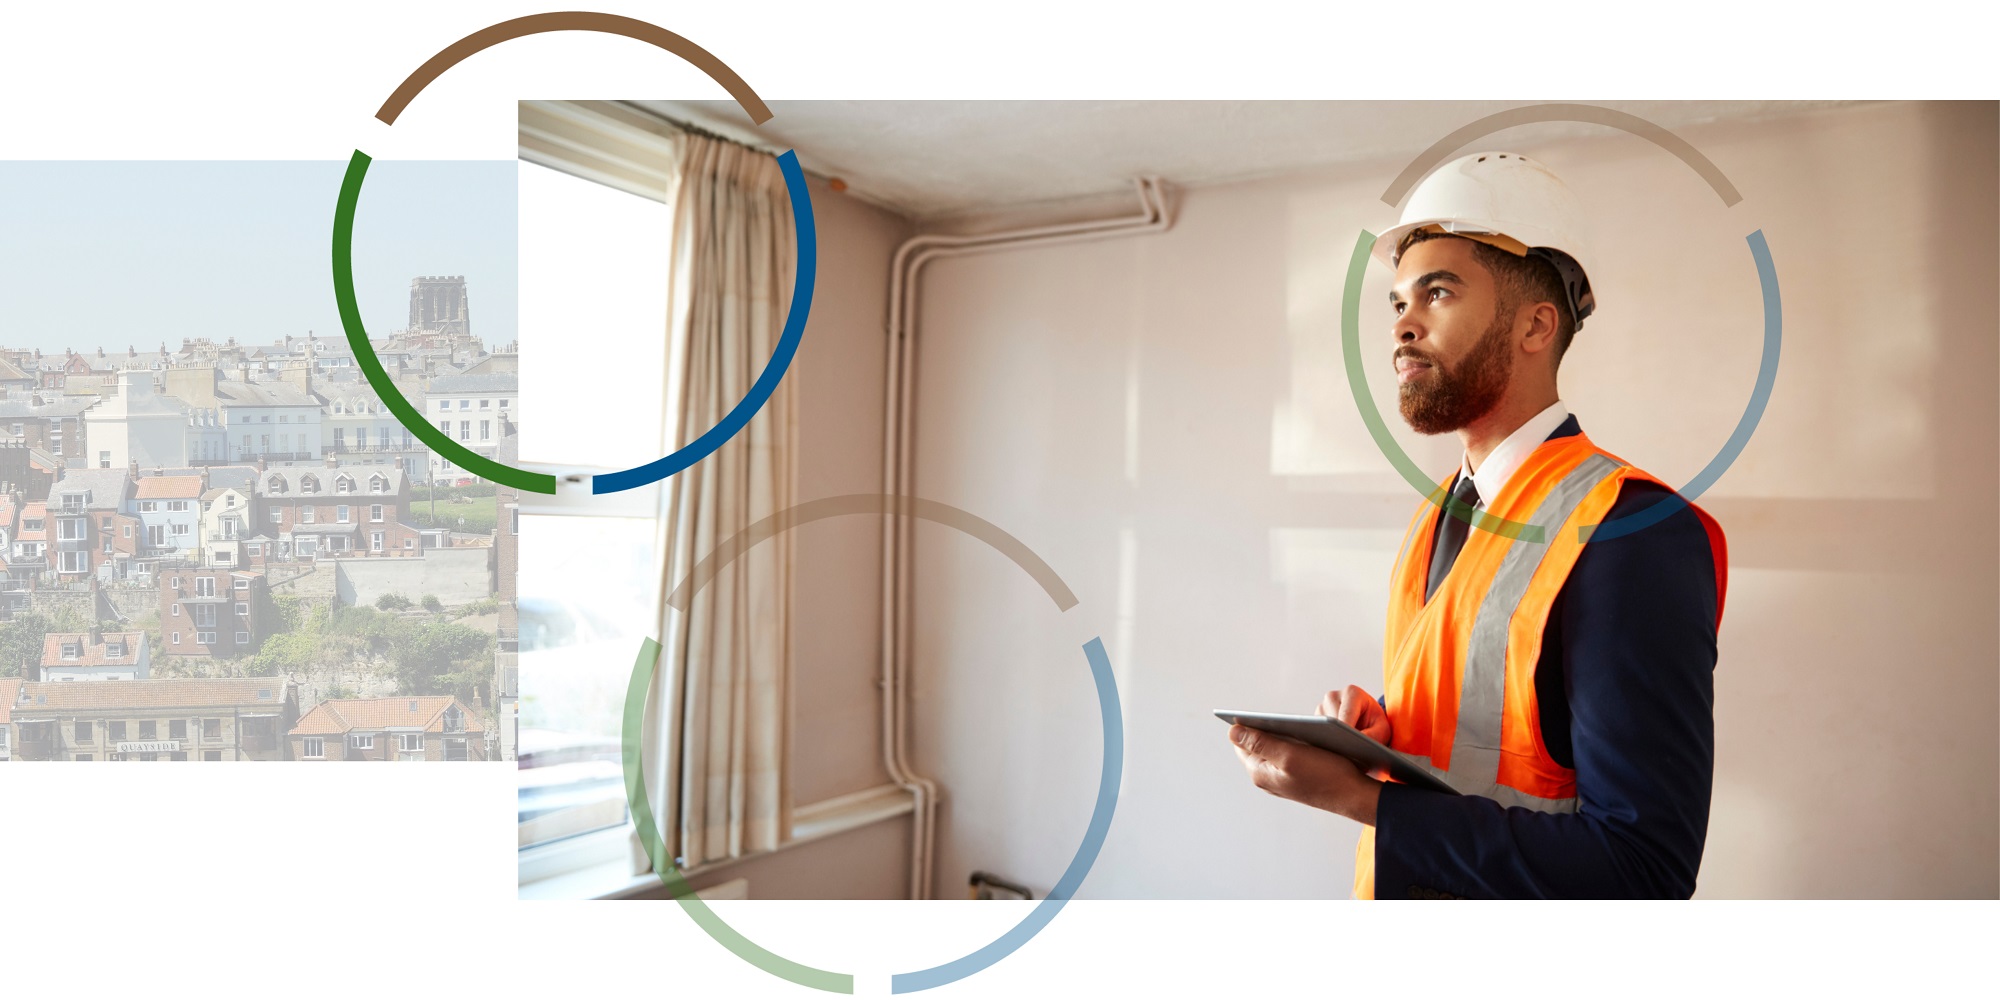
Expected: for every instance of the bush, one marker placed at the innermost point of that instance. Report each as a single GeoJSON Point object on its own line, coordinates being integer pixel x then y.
{"type": "Point", "coordinates": [431, 603]}
{"type": "Point", "coordinates": [395, 602]}
{"type": "Point", "coordinates": [483, 606]}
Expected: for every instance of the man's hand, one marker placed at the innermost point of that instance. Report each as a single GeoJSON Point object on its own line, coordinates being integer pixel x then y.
{"type": "Point", "coordinates": [1319, 778]}
{"type": "Point", "coordinates": [1359, 709]}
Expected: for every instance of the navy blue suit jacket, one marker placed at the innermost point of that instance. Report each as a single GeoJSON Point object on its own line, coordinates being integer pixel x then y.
{"type": "Point", "coordinates": [1625, 686]}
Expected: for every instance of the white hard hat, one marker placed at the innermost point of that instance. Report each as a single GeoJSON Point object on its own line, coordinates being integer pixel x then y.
{"type": "Point", "coordinates": [1506, 195]}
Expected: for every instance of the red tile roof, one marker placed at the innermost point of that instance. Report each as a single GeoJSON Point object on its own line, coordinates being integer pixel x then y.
{"type": "Point", "coordinates": [338, 716]}
{"type": "Point", "coordinates": [91, 654]}
{"type": "Point", "coordinates": [10, 689]}
{"type": "Point", "coordinates": [168, 488]}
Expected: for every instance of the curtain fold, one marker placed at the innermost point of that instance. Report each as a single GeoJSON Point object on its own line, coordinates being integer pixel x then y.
{"type": "Point", "coordinates": [727, 660]}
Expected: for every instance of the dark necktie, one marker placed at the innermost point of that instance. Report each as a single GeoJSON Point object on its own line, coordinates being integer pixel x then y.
{"type": "Point", "coordinates": [1451, 534]}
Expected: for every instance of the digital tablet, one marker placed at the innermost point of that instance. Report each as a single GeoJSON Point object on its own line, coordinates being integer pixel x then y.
{"type": "Point", "coordinates": [1343, 739]}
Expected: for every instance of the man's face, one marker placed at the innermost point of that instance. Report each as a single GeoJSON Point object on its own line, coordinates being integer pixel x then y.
{"type": "Point", "coordinates": [1454, 353]}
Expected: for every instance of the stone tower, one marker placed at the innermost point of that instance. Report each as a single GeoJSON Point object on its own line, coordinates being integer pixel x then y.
{"type": "Point", "coordinates": [438, 305]}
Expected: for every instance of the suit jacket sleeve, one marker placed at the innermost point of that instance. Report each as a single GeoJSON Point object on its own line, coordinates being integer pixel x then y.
{"type": "Point", "coordinates": [1637, 619]}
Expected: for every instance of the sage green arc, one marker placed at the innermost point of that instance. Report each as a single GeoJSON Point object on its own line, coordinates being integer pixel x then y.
{"type": "Point", "coordinates": [1434, 492]}
{"type": "Point", "coordinates": [656, 848]}
{"type": "Point", "coordinates": [371, 366]}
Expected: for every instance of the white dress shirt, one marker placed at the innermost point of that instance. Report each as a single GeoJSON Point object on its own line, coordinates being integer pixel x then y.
{"type": "Point", "coordinates": [1501, 462]}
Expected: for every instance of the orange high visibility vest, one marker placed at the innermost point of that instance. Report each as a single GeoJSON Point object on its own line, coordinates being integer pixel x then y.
{"type": "Point", "coordinates": [1459, 671]}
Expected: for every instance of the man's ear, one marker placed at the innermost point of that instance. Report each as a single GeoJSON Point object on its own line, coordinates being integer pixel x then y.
{"type": "Point", "coordinates": [1542, 318]}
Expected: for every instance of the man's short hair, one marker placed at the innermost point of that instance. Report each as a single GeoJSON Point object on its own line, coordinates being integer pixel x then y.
{"type": "Point", "coordinates": [1519, 279]}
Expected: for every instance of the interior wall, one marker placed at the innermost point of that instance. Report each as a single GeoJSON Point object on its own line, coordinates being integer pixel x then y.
{"type": "Point", "coordinates": [1166, 420]}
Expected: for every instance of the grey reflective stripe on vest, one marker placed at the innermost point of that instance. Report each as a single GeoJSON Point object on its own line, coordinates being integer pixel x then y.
{"type": "Point", "coordinates": [1482, 694]}
{"type": "Point", "coordinates": [1501, 793]}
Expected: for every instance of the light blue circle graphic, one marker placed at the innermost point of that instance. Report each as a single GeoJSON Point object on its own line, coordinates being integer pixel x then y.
{"type": "Point", "coordinates": [1079, 866]}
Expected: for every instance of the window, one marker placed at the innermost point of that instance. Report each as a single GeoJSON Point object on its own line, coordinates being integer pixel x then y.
{"type": "Point", "coordinates": [485, 430]}
{"type": "Point", "coordinates": [340, 437]}
{"type": "Point", "coordinates": [454, 749]}
{"type": "Point", "coordinates": [83, 731]}
{"type": "Point", "coordinates": [204, 586]}
{"type": "Point", "coordinates": [211, 729]}
{"type": "Point", "coordinates": [374, 541]}
{"type": "Point", "coordinates": [177, 755]}
{"type": "Point", "coordinates": [242, 638]}
{"type": "Point", "coordinates": [105, 524]}
{"type": "Point", "coordinates": [83, 756]}
{"type": "Point", "coordinates": [204, 638]}
{"type": "Point", "coordinates": [178, 505]}
{"type": "Point", "coordinates": [240, 584]}
{"type": "Point", "coordinates": [177, 729]}
{"type": "Point", "coordinates": [344, 484]}
{"type": "Point", "coordinates": [361, 741]}
{"type": "Point", "coordinates": [204, 617]}
{"type": "Point", "coordinates": [73, 562]}
{"type": "Point", "coordinates": [104, 460]}
{"type": "Point", "coordinates": [315, 746]}
{"type": "Point", "coordinates": [149, 730]}
{"type": "Point", "coordinates": [503, 403]}
{"type": "Point", "coordinates": [72, 650]}
{"type": "Point", "coordinates": [445, 426]}
{"type": "Point", "coordinates": [465, 430]}
{"type": "Point", "coordinates": [306, 514]}
{"type": "Point", "coordinates": [114, 731]}
{"type": "Point", "coordinates": [242, 608]}
{"type": "Point", "coordinates": [575, 233]}
{"type": "Point", "coordinates": [177, 635]}
{"type": "Point", "coordinates": [128, 531]}
{"type": "Point", "coordinates": [114, 647]}
{"type": "Point", "coordinates": [277, 516]}
{"type": "Point", "coordinates": [156, 534]}
{"type": "Point", "coordinates": [465, 404]}
{"type": "Point", "coordinates": [177, 614]}
{"type": "Point", "coordinates": [378, 484]}
{"type": "Point", "coordinates": [375, 512]}
{"type": "Point", "coordinates": [148, 506]}
{"type": "Point", "coordinates": [308, 484]}
{"type": "Point", "coordinates": [70, 529]}
{"type": "Point", "coordinates": [411, 742]}
{"type": "Point", "coordinates": [340, 513]}
{"type": "Point", "coordinates": [276, 485]}
{"type": "Point", "coordinates": [211, 755]}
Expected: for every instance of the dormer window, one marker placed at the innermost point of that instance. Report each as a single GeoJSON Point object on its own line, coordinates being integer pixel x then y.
{"type": "Point", "coordinates": [72, 650]}
{"type": "Point", "coordinates": [308, 484]}
{"type": "Point", "coordinates": [114, 647]}
{"type": "Point", "coordinates": [277, 484]}
{"type": "Point", "coordinates": [343, 484]}
{"type": "Point", "coordinates": [378, 484]}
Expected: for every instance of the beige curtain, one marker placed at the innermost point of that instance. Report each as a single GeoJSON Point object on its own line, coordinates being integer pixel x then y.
{"type": "Point", "coordinates": [727, 661]}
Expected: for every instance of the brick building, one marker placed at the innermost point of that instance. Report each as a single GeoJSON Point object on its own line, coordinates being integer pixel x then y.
{"type": "Point", "coordinates": [429, 727]}
{"type": "Point", "coordinates": [336, 510]}
{"type": "Point", "coordinates": [86, 506]}
{"type": "Point", "coordinates": [210, 719]}
{"type": "Point", "coordinates": [211, 610]}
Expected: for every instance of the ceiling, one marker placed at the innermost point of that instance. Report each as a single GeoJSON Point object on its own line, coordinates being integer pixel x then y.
{"type": "Point", "coordinates": [931, 160]}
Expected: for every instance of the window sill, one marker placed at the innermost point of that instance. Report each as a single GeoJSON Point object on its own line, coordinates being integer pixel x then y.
{"type": "Point", "coordinates": [601, 877]}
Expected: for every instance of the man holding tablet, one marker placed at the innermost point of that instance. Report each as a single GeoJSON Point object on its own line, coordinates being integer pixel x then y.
{"type": "Point", "coordinates": [1563, 686]}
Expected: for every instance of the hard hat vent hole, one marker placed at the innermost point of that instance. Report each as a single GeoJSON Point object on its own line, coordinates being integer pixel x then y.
{"type": "Point", "coordinates": [1482, 159]}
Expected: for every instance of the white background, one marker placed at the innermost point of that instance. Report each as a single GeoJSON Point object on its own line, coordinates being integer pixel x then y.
{"type": "Point", "coordinates": [303, 882]}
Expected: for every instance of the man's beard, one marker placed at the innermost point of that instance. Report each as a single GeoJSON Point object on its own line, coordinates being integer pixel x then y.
{"type": "Point", "coordinates": [1446, 399]}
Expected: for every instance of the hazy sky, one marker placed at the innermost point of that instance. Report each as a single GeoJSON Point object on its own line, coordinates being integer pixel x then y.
{"type": "Point", "coordinates": [133, 253]}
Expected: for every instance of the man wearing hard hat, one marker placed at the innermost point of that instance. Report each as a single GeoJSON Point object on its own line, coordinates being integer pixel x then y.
{"type": "Point", "coordinates": [1563, 685]}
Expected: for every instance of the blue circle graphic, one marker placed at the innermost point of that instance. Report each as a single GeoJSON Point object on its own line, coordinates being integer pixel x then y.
{"type": "Point", "coordinates": [774, 370]}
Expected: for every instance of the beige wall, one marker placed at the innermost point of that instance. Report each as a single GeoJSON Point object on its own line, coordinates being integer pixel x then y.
{"type": "Point", "coordinates": [1165, 419]}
